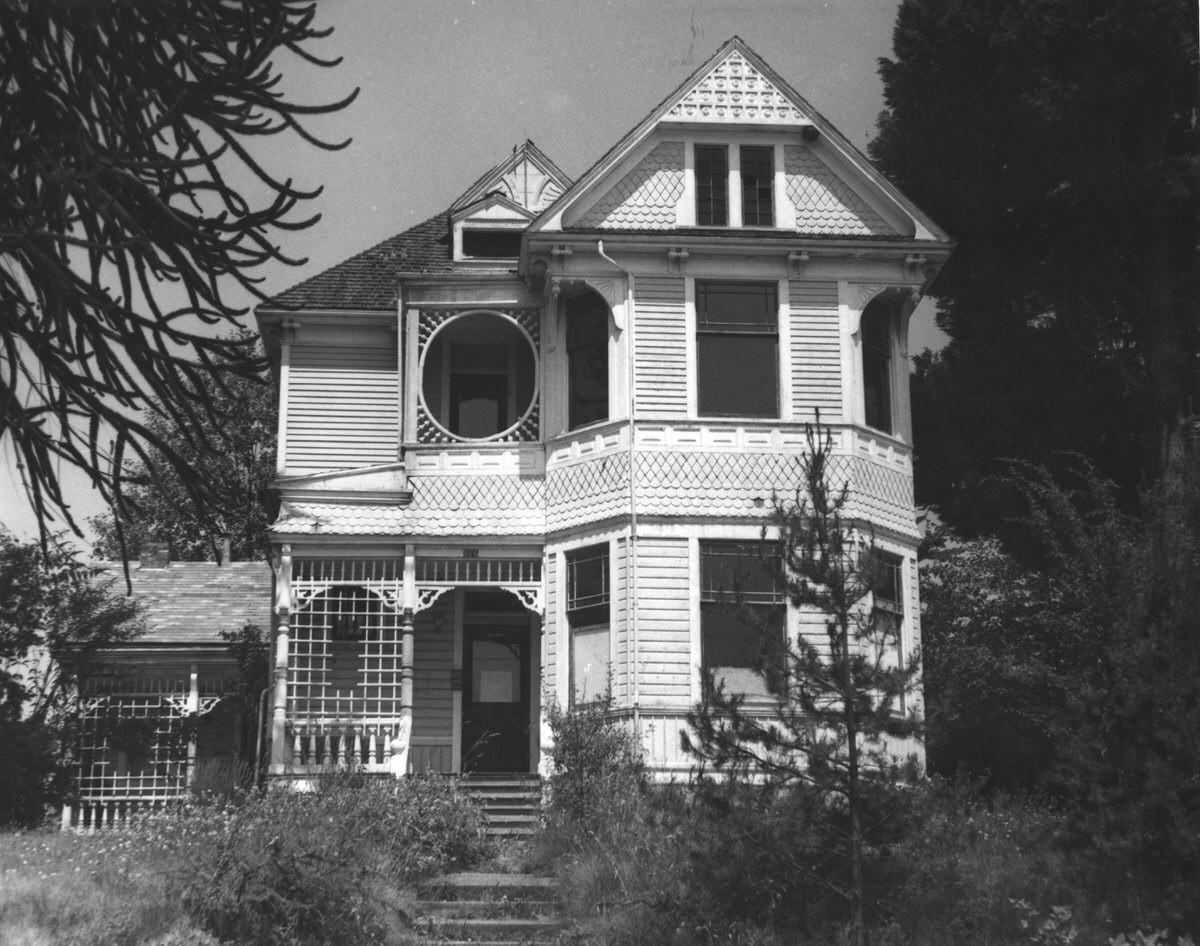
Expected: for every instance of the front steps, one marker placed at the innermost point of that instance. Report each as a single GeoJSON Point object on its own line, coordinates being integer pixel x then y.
{"type": "Point", "coordinates": [481, 909]}
{"type": "Point", "coordinates": [511, 803]}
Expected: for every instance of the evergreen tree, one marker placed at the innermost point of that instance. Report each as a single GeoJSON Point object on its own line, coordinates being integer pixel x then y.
{"type": "Point", "coordinates": [838, 700]}
{"type": "Point", "coordinates": [1057, 141]}
{"type": "Point", "coordinates": [134, 209]}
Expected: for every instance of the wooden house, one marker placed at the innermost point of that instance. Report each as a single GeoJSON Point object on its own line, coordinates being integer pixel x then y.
{"type": "Point", "coordinates": [163, 715]}
{"type": "Point", "coordinates": [521, 443]}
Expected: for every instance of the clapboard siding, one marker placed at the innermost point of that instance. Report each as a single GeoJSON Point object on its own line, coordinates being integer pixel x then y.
{"type": "Point", "coordinates": [433, 660]}
{"type": "Point", "coordinates": [554, 629]}
{"type": "Point", "coordinates": [816, 350]}
{"type": "Point", "coordinates": [664, 627]}
{"type": "Point", "coordinates": [343, 408]}
{"type": "Point", "coordinates": [661, 346]}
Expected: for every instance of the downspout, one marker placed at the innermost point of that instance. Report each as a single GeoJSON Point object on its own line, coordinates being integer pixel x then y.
{"type": "Point", "coordinates": [631, 545]}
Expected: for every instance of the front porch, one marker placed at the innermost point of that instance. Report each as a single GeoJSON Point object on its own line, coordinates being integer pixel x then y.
{"type": "Point", "coordinates": [414, 664]}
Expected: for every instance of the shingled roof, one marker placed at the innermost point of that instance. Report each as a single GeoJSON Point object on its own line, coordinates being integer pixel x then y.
{"type": "Point", "coordinates": [193, 602]}
{"type": "Point", "coordinates": [370, 279]}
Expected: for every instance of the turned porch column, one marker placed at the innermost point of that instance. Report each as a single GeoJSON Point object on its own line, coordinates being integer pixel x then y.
{"type": "Point", "coordinates": [400, 744]}
{"type": "Point", "coordinates": [279, 685]}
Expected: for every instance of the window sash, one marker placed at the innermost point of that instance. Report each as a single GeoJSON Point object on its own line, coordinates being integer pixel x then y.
{"type": "Point", "coordinates": [712, 186]}
{"type": "Point", "coordinates": [758, 186]}
{"type": "Point", "coordinates": [588, 578]}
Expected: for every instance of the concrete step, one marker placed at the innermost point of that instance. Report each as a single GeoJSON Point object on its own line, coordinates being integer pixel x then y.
{"type": "Point", "coordinates": [475, 908]}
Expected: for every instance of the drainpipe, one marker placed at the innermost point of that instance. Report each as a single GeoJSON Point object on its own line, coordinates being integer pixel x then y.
{"type": "Point", "coordinates": [631, 546]}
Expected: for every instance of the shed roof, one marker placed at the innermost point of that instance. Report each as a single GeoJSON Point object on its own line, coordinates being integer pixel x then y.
{"type": "Point", "coordinates": [193, 602]}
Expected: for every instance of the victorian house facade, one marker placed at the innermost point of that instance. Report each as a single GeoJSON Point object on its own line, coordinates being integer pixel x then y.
{"type": "Point", "coordinates": [523, 444]}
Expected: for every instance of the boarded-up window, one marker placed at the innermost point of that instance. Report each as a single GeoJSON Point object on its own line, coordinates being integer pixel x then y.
{"type": "Point", "coordinates": [742, 615]}
{"type": "Point", "coordinates": [588, 599]}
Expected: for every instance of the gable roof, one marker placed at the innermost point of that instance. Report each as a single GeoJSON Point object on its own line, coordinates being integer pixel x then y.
{"type": "Point", "coordinates": [370, 280]}
{"type": "Point", "coordinates": [735, 87]}
{"type": "Point", "coordinates": [193, 602]}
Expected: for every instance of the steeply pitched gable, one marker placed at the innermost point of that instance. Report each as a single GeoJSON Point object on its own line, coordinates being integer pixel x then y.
{"type": "Point", "coordinates": [369, 280]}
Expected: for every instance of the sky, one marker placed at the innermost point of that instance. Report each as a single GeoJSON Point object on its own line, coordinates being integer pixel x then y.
{"type": "Point", "coordinates": [448, 88]}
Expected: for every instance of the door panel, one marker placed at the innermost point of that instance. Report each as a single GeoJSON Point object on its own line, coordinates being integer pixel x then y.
{"type": "Point", "coordinates": [496, 698]}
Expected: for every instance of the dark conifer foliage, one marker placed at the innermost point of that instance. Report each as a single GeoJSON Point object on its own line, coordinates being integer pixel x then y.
{"type": "Point", "coordinates": [1057, 141]}
{"type": "Point", "coordinates": [133, 206]}
{"type": "Point", "coordinates": [841, 702]}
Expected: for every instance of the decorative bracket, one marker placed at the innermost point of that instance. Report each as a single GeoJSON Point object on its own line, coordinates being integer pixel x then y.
{"type": "Point", "coordinates": [531, 597]}
{"type": "Point", "coordinates": [428, 594]}
{"type": "Point", "coordinates": [796, 261]}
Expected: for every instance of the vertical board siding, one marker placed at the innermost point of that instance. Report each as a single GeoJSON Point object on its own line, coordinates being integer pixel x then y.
{"type": "Point", "coordinates": [433, 660]}
{"type": "Point", "coordinates": [343, 408]}
{"type": "Point", "coordinates": [816, 351]}
{"type": "Point", "coordinates": [664, 631]}
{"type": "Point", "coordinates": [661, 345]}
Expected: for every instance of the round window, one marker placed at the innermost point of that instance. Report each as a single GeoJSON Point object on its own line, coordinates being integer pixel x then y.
{"type": "Point", "coordinates": [478, 376]}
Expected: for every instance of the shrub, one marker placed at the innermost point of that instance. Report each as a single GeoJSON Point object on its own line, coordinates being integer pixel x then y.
{"type": "Point", "coordinates": [597, 775]}
{"type": "Point", "coordinates": [286, 867]}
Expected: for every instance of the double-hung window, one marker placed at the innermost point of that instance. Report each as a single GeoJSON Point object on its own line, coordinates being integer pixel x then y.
{"type": "Point", "coordinates": [758, 186]}
{"type": "Point", "coordinates": [742, 615]}
{"type": "Point", "coordinates": [737, 349]}
{"type": "Point", "coordinates": [876, 331]}
{"type": "Point", "coordinates": [756, 170]}
{"type": "Point", "coordinates": [588, 598]}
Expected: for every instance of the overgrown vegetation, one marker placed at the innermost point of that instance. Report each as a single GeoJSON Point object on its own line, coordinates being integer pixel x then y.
{"type": "Point", "coordinates": [330, 866]}
{"type": "Point", "coordinates": [55, 621]}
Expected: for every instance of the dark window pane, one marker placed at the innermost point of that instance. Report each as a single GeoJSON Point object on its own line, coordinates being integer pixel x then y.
{"type": "Point", "coordinates": [738, 375]}
{"type": "Point", "coordinates": [712, 185]}
{"type": "Point", "coordinates": [748, 569]}
{"type": "Point", "coordinates": [491, 244]}
{"type": "Point", "coordinates": [737, 307]}
{"type": "Point", "coordinates": [758, 186]}
{"type": "Point", "coordinates": [587, 357]}
{"type": "Point", "coordinates": [877, 366]}
{"type": "Point", "coordinates": [587, 578]}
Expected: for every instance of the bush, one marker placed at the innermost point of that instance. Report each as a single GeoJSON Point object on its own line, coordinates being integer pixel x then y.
{"type": "Point", "coordinates": [597, 775]}
{"type": "Point", "coordinates": [31, 775]}
{"type": "Point", "coordinates": [286, 867]}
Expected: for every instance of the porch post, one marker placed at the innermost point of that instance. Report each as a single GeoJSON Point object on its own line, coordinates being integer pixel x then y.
{"type": "Point", "coordinates": [400, 745]}
{"type": "Point", "coordinates": [193, 708]}
{"type": "Point", "coordinates": [283, 597]}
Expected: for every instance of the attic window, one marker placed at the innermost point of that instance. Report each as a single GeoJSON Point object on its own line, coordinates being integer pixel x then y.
{"type": "Point", "coordinates": [491, 244]}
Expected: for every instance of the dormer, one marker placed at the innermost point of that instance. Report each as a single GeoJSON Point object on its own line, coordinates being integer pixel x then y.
{"type": "Point", "coordinates": [489, 231]}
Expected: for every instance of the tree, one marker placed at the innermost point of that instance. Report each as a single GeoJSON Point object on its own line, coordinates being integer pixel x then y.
{"type": "Point", "coordinates": [241, 462]}
{"type": "Point", "coordinates": [133, 208]}
{"type": "Point", "coordinates": [837, 700]}
{"type": "Point", "coordinates": [55, 620]}
{"type": "Point", "coordinates": [1057, 141]}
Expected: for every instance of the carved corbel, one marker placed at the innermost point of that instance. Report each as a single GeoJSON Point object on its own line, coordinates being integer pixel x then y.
{"type": "Point", "coordinates": [797, 259]}
{"type": "Point", "coordinates": [676, 256]}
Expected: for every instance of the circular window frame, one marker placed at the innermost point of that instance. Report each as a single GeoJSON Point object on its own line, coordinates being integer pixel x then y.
{"type": "Point", "coordinates": [537, 377]}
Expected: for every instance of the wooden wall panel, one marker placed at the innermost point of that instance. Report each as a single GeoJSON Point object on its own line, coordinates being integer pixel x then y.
{"type": "Point", "coordinates": [343, 408]}
{"type": "Point", "coordinates": [662, 345]}
{"type": "Point", "coordinates": [663, 622]}
{"type": "Point", "coordinates": [816, 351]}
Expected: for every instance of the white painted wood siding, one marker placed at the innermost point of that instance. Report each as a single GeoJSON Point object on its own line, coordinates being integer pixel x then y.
{"type": "Point", "coordinates": [343, 408]}
{"type": "Point", "coordinates": [664, 631]}
{"type": "Point", "coordinates": [661, 344]}
{"type": "Point", "coordinates": [816, 358]}
{"type": "Point", "coordinates": [433, 660]}
{"type": "Point", "coordinates": [621, 683]}
{"type": "Point", "coordinates": [554, 630]}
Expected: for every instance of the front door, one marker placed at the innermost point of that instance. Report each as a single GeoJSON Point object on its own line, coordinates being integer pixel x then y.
{"type": "Point", "coordinates": [496, 698]}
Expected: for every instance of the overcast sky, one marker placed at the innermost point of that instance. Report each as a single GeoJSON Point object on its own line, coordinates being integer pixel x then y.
{"type": "Point", "coordinates": [448, 88]}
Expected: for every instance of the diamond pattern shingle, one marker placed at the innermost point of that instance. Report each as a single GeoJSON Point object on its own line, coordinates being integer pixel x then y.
{"type": "Point", "coordinates": [824, 203]}
{"type": "Point", "coordinates": [193, 602]}
{"type": "Point", "coordinates": [646, 196]}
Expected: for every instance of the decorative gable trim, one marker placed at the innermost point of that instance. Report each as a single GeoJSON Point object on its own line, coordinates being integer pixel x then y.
{"type": "Point", "coordinates": [527, 178]}
{"type": "Point", "coordinates": [735, 91]}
